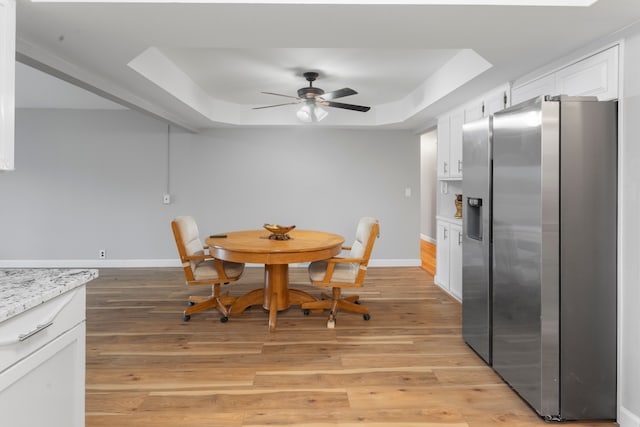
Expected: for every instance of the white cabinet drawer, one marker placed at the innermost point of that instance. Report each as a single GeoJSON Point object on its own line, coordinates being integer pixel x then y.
{"type": "Point", "coordinates": [23, 334]}
{"type": "Point", "coordinates": [46, 389]}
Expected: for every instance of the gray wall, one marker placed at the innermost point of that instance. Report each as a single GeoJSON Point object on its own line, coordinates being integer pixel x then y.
{"type": "Point", "coordinates": [88, 180]}
{"type": "Point", "coordinates": [429, 184]}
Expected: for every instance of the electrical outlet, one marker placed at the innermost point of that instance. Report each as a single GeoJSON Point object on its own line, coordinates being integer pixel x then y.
{"type": "Point", "coordinates": [166, 199]}
{"type": "Point", "coordinates": [102, 254]}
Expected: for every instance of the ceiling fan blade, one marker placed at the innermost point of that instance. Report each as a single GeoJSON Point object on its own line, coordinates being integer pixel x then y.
{"type": "Point", "coordinates": [346, 106]}
{"type": "Point", "coordinates": [277, 105]}
{"type": "Point", "coordinates": [279, 94]}
{"type": "Point", "coordinates": [338, 93]}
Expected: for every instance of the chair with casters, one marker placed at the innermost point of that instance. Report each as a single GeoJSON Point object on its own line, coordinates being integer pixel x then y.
{"type": "Point", "coordinates": [344, 272]}
{"type": "Point", "coordinates": [200, 268]}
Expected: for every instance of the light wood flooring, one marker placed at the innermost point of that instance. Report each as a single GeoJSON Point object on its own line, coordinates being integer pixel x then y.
{"type": "Point", "coordinates": [428, 256]}
{"type": "Point", "coordinates": [408, 366]}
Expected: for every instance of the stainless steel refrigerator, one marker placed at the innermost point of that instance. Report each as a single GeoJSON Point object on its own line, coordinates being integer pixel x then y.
{"type": "Point", "coordinates": [553, 336]}
{"type": "Point", "coordinates": [477, 238]}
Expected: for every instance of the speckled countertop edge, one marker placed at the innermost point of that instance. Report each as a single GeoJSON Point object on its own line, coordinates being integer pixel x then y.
{"type": "Point", "coordinates": [25, 288]}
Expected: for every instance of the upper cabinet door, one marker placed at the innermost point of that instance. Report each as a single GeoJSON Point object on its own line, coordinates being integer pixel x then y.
{"type": "Point", "coordinates": [474, 111]}
{"type": "Point", "coordinates": [542, 86]}
{"type": "Point", "coordinates": [455, 147]}
{"type": "Point", "coordinates": [444, 167]}
{"type": "Point", "coordinates": [496, 102]}
{"type": "Point", "coordinates": [7, 82]}
{"type": "Point", "coordinates": [596, 75]}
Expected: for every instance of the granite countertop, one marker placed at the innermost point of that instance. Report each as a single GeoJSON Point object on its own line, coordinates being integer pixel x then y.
{"type": "Point", "coordinates": [25, 288]}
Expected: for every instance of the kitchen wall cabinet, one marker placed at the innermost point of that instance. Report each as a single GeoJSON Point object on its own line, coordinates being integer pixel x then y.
{"type": "Point", "coordinates": [42, 364]}
{"type": "Point", "coordinates": [450, 145]}
{"type": "Point", "coordinates": [449, 257]}
{"type": "Point", "coordinates": [596, 75]}
{"type": "Point", "coordinates": [7, 82]}
{"type": "Point", "coordinates": [488, 104]}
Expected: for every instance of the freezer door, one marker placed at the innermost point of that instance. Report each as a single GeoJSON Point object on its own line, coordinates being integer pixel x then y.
{"type": "Point", "coordinates": [476, 247]}
{"type": "Point", "coordinates": [525, 235]}
{"type": "Point", "coordinates": [588, 188]}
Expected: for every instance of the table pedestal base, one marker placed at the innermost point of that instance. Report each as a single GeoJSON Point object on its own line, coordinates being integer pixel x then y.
{"type": "Point", "coordinates": [275, 296]}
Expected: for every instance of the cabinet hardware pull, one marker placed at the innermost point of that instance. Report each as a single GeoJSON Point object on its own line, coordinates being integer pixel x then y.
{"type": "Point", "coordinates": [445, 167]}
{"type": "Point", "coordinates": [459, 239]}
{"type": "Point", "coordinates": [445, 233]}
{"type": "Point", "coordinates": [44, 323]}
{"type": "Point", "coordinates": [38, 329]}
{"type": "Point", "coordinates": [459, 165]}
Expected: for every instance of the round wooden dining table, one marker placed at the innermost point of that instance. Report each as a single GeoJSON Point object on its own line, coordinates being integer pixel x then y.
{"type": "Point", "coordinates": [255, 246]}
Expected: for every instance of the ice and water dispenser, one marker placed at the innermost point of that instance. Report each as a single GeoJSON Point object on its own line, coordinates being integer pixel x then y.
{"type": "Point", "coordinates": [474, 218]}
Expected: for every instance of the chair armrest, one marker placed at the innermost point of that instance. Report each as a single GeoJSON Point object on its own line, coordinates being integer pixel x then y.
{"type": "Point", "coordinates": [340, 259]}
{"type": "Point", "coordinates": [218, 263]}
{"type": "Point", "coordinates": [197, 257]}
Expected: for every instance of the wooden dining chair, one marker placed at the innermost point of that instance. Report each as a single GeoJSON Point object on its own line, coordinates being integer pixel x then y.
{"type": "Point", "coordinates": [348, 272]}
{"type": "Point", "coordinates": [200, 268]}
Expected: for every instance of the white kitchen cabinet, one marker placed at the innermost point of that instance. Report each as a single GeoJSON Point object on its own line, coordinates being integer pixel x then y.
{"type": "Point", "coordinates": [488, 104]}
{"type": "Point", "coordinates": [496, 101]}
{"type": "Point", "coordinates": [455, 261]}
{"type": "Point", "coordinates": [443, 237]}
{"type": "Point", "coordinates": [596, 75]}
{"type": "Point", "coordinates": [450, 145]}
{"type": "Point", "coordinates": [449, 257]}
{"type": "Point", "coordinates": [443, 147]}
{"type": "Point", "coordinates": [474, 111]}
{"type": "Point", "coordinates": [7, 82]}
{"type": "Point", "coordinates": [42, 364]}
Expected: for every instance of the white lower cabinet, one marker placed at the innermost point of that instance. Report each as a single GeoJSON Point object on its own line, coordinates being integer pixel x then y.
{"type": "Point", "coordinates": [449, 257]}
{"type": "Point", "coordinates": [442, 254]}
{"type": "Point", "coordinates": [42, 374]}
{"type": "Point", "coordinates": [455, 261]}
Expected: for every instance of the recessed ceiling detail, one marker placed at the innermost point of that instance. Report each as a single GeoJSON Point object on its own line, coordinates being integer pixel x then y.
{"type": "Point", "coordinates": [196, 78]}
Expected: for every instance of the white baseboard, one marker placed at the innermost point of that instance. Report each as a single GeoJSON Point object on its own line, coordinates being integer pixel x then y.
{"type": "Point", "coordinates": [628, 418]}
{"type": "Point", "coordinates": [427, 238]}
{"type": "Point", "coordinates": [89, 263]}
{"type": "Point", "coordinates": [147, 263]}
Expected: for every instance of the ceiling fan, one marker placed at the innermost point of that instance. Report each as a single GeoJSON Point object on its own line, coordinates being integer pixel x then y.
{"type": "Point", "coordinates": [314, 97]}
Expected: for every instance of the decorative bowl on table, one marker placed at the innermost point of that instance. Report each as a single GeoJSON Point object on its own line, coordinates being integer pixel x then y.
{"type": "Point", "coordinates": [279, 232]}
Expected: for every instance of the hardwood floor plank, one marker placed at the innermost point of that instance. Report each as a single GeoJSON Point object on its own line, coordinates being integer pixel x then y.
{"type": "Point", "coordinates": [407, 366]}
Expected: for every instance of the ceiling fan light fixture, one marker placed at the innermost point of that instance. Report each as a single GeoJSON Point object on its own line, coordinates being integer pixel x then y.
{"type": "Point", "coordinates": [310, 113]}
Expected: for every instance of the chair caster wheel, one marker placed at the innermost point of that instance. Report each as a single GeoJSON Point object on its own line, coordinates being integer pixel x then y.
{"type": "Point", "coordinates": [186, 318]}
{"type": "Point", "coordinates": [224, 319]}
{"type": "Point", "coordinates": [357, 302]}
{"type": "Point", "coordinates": [306, 311]}
{"type": "Point", "coordinates": [366, 316]}
{"type": "Point", "coordinates": [190, 304]}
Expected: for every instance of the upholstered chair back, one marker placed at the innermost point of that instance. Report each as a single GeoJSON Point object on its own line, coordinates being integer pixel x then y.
{"type": "Point", "coordinates": [190, 238]}
{"type": "Point", "coordinates": [363, 232]}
